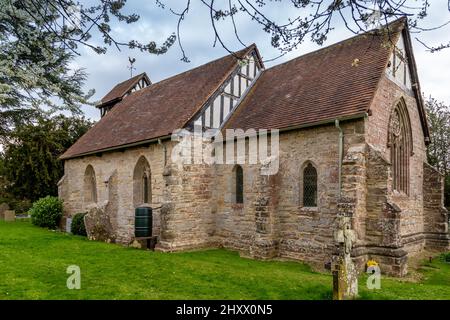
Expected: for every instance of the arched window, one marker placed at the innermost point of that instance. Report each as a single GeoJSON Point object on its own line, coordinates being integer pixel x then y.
{"type": "Point", "coordinates": [142, 183]}
{"type": "Point", "coordinates": [400, 142]}
{"type": "Point", "coordinates": [145, 189]}
{"type": "Point", "coordinates": [309, 186]}
{"type": "Point", "coordinates": [239, 184]}
{"type": "Point", "coordinates": [90, 185]}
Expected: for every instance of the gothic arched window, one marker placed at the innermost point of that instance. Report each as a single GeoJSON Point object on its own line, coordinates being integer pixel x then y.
{"type": "Point", "coordinates": [239, 184]}
{"type": "Point", "coordinates": [309, 186]}
{"type": "Point", "coordinates": [400, 142]}
{"type": "Point", "coordinates": [90, 185]}
{"type": "Point", "coordinates": [142, 182]}
{"type": "Point", "coordinates": [145, 187]}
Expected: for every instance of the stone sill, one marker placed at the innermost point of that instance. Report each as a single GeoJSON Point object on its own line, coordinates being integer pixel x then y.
{"type": "Point", "coordinates": [309, 210]}
{"type": "Point", "coordinates": [312, 209]}
{"type": "Point", "coordinates": [400, 195]}
{"type": "Point", "coordinates": [237, 206]}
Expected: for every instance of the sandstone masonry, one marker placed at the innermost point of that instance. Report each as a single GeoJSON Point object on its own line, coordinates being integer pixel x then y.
{"type": "Point", "coordinates": [197, 208]}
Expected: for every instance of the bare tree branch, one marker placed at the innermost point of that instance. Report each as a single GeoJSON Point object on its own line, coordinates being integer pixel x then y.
{"type": "Point", "coordinates": [314, 19]}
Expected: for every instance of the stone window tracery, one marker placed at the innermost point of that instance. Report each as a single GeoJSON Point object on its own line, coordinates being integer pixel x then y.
{"type": "Point", "coordinates": [400, 143]}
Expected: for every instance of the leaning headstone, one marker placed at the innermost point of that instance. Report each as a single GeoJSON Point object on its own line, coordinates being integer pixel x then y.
{"type": "Point", "coordinates": [3, 208]}
{"type": "Point", "coordinates": [98, 225]}
{"type": "Point", "coordinates": [10, 215]}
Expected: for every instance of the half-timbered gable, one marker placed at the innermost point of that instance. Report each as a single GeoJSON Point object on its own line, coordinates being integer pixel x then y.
{"type": "Point", "coordinates": [121, 91]}
{"type": "Point", "coordinates": [223, 102]}
{"type": "Point", "coordinates": [398, 65]}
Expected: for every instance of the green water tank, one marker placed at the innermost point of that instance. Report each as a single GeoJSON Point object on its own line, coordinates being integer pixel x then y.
{"type": "Point", "coordinates": [143, 222]}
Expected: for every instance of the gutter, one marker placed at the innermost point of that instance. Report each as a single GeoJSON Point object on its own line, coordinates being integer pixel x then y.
{"type": "Point", "coordinates": [130, 145]}
{"type": "Point", "coordinates": [315, 124]}
{"type": "Point", "coordinates": [302, 126]}
{"type": "Point", "coordinates": [136, 144]}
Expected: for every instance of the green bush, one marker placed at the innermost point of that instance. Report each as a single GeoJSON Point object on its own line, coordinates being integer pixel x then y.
{"type": "Point", "coordinates": [446, 257]}
{"type": "Point", "coordinates": [78, 226]}
{"type": "Point", "coordinates": [46, 212]}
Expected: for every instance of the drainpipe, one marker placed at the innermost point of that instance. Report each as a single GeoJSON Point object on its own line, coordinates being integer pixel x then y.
{"type": "Point", "coordinates": [341, 151]}
{"type": "Point", "coordinates": [165, 151]}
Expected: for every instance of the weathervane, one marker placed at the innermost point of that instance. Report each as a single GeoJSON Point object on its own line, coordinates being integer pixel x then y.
{"type": "Point", "coordinates": [132, 61]}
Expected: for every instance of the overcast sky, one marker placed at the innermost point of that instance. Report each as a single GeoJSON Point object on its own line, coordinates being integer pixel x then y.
{"type": "Point", "coordinates": [157, 24]}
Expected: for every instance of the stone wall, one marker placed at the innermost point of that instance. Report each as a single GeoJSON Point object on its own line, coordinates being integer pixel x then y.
{"type": "Point", "coordinates": [188, 211]}
{"type": "Point", "coordinates": [377, 127]}
{"type": "Point", "coordinates": [187, 216]}
{"type": "Point", "coordinates": [272, 220]}
{"type": "Point", "coordinates": [435, 214]}
{"type": "Point", "coordinates": [397, 222]}
{"type": "Point", "coordinates": [114, 182]}
{"type": "Point", "coordinates": [352, 202]}
{"type": "Point", "coordinates": [383, 241]}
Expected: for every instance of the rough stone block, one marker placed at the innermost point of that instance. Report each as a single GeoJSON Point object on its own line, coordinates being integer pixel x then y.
{"type": "Point", "coordinates": [3, 208]}
{"type": "Point", "coordinates": [10, 215]}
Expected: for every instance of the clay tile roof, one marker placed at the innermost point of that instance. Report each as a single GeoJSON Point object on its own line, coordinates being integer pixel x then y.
{"type": "Point", "coordinates": [319, 86]}
{"type": "Point", "coordinates": [119, 91]}
{"type": "Point", "coordinates": [157, 110]}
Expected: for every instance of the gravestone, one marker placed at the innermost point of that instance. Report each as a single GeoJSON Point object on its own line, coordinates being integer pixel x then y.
{"type": "Point", "coordinates": [69, 225]}
{"type": "Point", "coordinates": [3, 208]}
{"type": "Point", "coordinates": [10, 215]}
{"type": "Point", "coordinates": [98, 225]}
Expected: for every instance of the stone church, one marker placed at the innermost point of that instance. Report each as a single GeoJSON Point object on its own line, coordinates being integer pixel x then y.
{"type": "Point", "coordinates": [352, 139]}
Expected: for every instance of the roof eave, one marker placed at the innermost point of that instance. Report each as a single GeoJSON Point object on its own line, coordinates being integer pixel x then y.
{"type": "Point", "coordinates": [328, 121]}
{"type": "Point", "coordinates": [116, 148]}
{"type": "Point", "coordinates": [143, 75]}
{"type": "Point", "coordinates": [107, 103]}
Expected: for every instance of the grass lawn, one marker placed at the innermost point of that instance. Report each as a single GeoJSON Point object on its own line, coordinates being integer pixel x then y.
{"type": "Point", "coordinates": [33, 264]}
